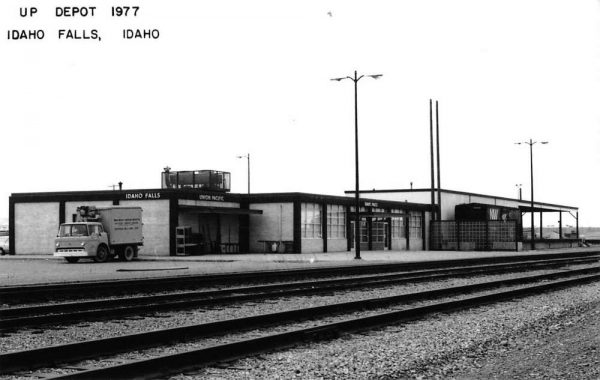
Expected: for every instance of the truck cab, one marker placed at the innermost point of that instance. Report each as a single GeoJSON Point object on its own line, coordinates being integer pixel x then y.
{"type": "Point", "coordinates": [82, 239]}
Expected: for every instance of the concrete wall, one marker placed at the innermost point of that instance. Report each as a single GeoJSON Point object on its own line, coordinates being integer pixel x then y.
{"type": "Point", "coordinates": [312, 245]}
{"type": "Point", "coordinates": [155, 216]}
{"type": "Point", "coordinates": [266, 226]}
{"type": "Point", "coordinates": [36, 226]}
{"type": "Point", "coordinates": [398, 244]}
{"type": "Point", "coordinates": [548, 244]}
{"type": "Point", "coordinates": [337, 245]}
{"type": "Point", "coordinates": [416, 245]}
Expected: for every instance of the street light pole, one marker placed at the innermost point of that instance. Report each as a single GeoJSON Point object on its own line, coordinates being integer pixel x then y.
{"type": "Point", "coordinates": [357, 220]}
{"type": "Point", "coordinates": [531, 143]}
{"type": "Point", "coordinates": [357, 187]}
{"type": "Point", "coordinates": [248, 157]}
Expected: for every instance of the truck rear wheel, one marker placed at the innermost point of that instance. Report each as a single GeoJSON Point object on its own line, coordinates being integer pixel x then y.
{"type": "Point", "coordinates": [101, 254]}
{"type": "Point", "coordinates": [127, 253]}
{"type": "Point", "coordinates": [72, 260]}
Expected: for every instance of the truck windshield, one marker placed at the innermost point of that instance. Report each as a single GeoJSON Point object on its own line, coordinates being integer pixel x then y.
{"type": "Point", "coordinates": [67, 230]}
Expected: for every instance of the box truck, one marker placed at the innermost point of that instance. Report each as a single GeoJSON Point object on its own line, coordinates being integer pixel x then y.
{"type": "Point", "coordinates": [100, 234]}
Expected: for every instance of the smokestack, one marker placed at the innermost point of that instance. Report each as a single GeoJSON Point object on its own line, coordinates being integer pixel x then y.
{"type": "Point", "coordinates": [120, 185]}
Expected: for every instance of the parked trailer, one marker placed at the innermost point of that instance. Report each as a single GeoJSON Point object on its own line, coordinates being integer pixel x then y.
{"type": "Point", "coordinates": [100, 234]}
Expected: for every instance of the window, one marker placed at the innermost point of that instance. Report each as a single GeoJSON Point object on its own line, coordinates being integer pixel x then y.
{"type": "Point", "coordinates": [69, 230]}
{"type": "Point", "coordinates": [364, 232]}
{"type": "Point", "coordinates": [378, 230]}
{"type": "Point", "coordinates": [336, 221]}
{"type": "Point", "coordinates": [95, 229]}
{"type": "Point", "coordinates": [311, 220]}
{"type": "Point", "coordinates": [64, 230]}
{"type": "Point", "coordinates": [398, 225]}
{"type": "Point", "coordinates": [415, 225]}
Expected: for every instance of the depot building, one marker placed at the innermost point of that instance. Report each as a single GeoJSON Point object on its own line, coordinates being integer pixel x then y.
{"type": "Point", "coordinates": [194, 213]}
{"type": "Point", "coordinates": [471, 221]}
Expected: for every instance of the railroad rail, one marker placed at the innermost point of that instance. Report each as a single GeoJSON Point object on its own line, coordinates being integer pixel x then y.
{"type": "Point", "coordinates": [49, 291]}
{"type": "Point", "coordinates": [168, 364]}
{"type": "Point", "coordinates": [16, 317]}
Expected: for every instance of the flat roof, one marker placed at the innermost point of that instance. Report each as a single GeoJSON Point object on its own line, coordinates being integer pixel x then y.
{"type": "Point", "coordinates": [204, 195]}
{"type": "Point", "coordinates": [521, 203]}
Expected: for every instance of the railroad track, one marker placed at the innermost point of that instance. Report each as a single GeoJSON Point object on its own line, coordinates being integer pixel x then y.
{"type": "Point", "coordinates": [20, 294]}
{"type": "Point", "coordinates": [430, 301]}
{"type": "Point", "coordinates": [17, 317]}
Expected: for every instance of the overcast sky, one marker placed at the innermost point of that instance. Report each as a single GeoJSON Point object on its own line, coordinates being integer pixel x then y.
{"type": "Point", "coordinates": [230, 77]}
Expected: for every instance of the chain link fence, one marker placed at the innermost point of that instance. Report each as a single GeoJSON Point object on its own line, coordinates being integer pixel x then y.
{"type": "Point", "coordinates": [452, 235]}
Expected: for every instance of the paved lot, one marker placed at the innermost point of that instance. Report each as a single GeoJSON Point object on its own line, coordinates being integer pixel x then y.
{"type": "Point", "coordinates": [36, 269]}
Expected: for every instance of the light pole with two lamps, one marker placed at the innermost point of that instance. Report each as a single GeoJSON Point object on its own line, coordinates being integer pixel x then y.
{"type": "Point", "coordinates": [248, 157]}
{"type": "Point", "coordinates": [357, 189]}
{"type": "Point", "coordinates": [531, 143]}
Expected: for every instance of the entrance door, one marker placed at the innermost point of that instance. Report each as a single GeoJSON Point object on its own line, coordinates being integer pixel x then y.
{"type": "Point", "coordinates": [379, 234]}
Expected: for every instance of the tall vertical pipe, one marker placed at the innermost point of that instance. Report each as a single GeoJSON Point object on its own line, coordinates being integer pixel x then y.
{"type": "Point", "coordinates": [532, 204]}
{"type": "Point", "coordinates": [357, 186]}
{"type": "Point", "coordinates": [439, 183]}
{"type": "Point", "coordinates": [432, 216]}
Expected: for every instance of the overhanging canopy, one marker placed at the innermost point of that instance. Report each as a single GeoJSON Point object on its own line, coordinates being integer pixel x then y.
{"type": "Point", "coordinates": [537, 208]}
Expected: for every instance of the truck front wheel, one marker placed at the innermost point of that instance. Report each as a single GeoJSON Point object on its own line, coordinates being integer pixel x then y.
{"type": "Point", "coordinates": [127, 253]}
{"type": "Point", "coordinates": [101, 254]}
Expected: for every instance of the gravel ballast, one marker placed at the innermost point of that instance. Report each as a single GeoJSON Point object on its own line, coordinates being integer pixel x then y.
{"type": "Point", "coordinates": [552, 335]}
{"type": "Point", "coordinates": [82, 331]}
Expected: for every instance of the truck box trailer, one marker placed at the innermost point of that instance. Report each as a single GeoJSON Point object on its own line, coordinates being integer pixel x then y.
{"type": "Point", "coordinates": [123, 224]}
